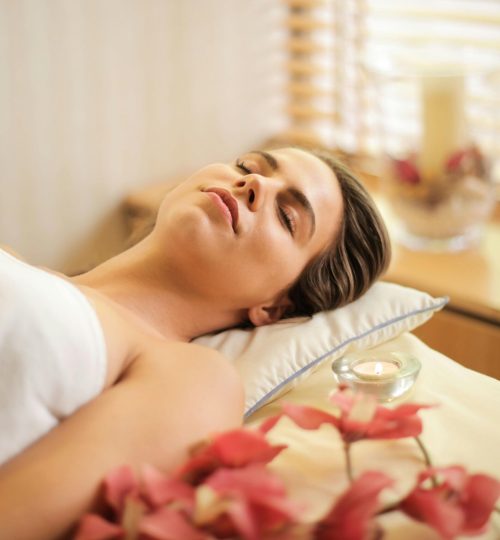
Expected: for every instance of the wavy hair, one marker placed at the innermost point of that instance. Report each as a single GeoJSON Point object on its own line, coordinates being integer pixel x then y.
{"type": "Point", "coordinates": [356, 258]}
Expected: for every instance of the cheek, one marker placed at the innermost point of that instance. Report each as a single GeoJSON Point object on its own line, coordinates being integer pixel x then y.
{"type": "Point", "coordinates": [273, 257]}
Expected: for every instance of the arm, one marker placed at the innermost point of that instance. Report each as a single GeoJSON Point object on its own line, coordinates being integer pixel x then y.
{"type": "Point", "coordinates": [170, 399]}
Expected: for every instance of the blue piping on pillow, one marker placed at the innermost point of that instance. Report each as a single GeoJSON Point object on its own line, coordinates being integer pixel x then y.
{"type": "Point", "coordinates": [263, 400]}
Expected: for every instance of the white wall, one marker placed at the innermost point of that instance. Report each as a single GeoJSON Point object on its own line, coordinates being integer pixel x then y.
{"type": "Point", "coordinates": [99, 97]}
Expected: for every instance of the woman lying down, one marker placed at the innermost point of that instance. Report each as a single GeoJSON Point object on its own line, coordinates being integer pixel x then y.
{"type": "Point", "coordinates": [97, 370]}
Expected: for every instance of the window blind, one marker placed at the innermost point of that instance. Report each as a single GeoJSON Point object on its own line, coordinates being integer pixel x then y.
{"type": "Point", "coordinates": [331, 95]}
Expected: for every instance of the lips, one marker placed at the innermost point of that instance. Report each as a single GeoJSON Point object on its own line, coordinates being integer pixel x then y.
{"type": "Point", "coordinates": [228, 201]}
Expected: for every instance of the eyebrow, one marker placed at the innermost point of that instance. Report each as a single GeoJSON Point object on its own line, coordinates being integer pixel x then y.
{"type": "Point", "coordinates": [271, 160]}
{"type": "Point", "coordinates": [295, 193]}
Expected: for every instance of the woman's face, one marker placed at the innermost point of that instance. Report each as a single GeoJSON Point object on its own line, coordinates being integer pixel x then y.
{"type": "Point", "coordinates": [241, 233]}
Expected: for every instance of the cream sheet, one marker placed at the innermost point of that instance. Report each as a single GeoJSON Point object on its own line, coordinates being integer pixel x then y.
{"type": "Point", "coordinates": [462, 429]}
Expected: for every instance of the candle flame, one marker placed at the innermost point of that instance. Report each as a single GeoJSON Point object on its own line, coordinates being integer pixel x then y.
{"type": "Point", "coordinates": [378, 368]}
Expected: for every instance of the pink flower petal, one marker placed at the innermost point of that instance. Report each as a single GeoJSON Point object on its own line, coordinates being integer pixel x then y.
{"type": "Point", "coordinates": [93, 527]}
{"type": "Point", "coordinates": [459, 504]}
{"type": "Point", "coordinates": [360, 418]}
{"type": "Point", "coordinates": [455, 160]}
{"type": "Point", "coordinates": [343, 398]}
{"type": "Point", "coordinates": [198, 467]}
{"type": "Point", "coordinates": [396, 423]}
{"type": "Point", "coordinates": [384, 423]}
{"type": "Point", "coordinates": [269, 423]}
{"type": "Point", "coordinates": [255, 481]}
{"type": "Point", "coordinates": [352, 515]}
{"type": "Point", "coordinates": [240, 447]}
{"type": "Point", "coordinates": [168, 524]}
{"type": "Point", "coordinates": [430, 507]}
{"type": "Point", "coordinates": [394, 428]}
{"type": "Point", "coordinates": [481, 495]}
{"type": "Point", "coordinates": [256, 498]}
{"type": "Point", "coordinates": [235, 448]}
{"type": "Point", "coordinates": [309, 417]}
{"type": "Point", "coordinates": [453, 477]}
{"type": "Point", "coordinates": [239, 513]}
{"type": "Point", "coordinates": [406, 171]}
{"type": "Point", "coordinates": [160, 489]}
{"type": "Point", "coordinates": [118, 484]}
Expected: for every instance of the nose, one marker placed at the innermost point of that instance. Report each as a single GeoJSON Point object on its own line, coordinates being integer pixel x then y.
{"type": "Point", "coordinates": [253, 188]}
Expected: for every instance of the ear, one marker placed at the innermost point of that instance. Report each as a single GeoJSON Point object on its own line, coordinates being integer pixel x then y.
{"type": "Point", "coordinates": [269, 313]}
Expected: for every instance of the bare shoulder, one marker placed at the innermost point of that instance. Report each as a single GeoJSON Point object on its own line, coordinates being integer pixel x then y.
{"type": "Point", "coordinates": [166, 358]}
{"type": "Point", "coordinates": [186, 377]}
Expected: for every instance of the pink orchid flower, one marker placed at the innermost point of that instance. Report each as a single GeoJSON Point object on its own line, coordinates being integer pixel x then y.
{"type": "Point", "coordinates": [119, 484]}
{"type": "Point", "coordinates": [351, 518]}
{"type": "Point", "coordinates": [235, 448]}
{"type": "Point", "coordinates": [140, 504]}
{"type": "Point", "coordinates": [159, 489]}
{"type": "Point", "coordinates": [169, 524]}
{"type": "Point", "coordinates": [93, 527]}
{"type": "Point", "coordinates": [252, 503]}
{"type": "Point", "coordinates": [360, 418]}
{"type": "Point", "coordinates": [460, 504]}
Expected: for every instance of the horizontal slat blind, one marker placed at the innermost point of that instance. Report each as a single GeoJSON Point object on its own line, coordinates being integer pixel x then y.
{"type": "Point", "coordinates": [310, 68]}
{"type": "Point", "coordinates": [332, 97]}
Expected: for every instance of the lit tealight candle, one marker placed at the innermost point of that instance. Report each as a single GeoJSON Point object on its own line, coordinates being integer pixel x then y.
{"type": "Point", "coordinates": [376, 369]}
{"type": "Point", "coordinates": [387, 375]}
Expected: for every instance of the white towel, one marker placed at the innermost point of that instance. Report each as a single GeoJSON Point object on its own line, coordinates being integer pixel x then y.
{"type": "Point", "coordinates": [52, 353]}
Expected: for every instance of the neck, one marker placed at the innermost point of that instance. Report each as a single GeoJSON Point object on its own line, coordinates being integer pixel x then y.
{"type": "Point", "coordinates": [160, 300]}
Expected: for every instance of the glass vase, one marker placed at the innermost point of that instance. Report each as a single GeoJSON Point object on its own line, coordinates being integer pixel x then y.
{"type": "Point", "coordinates": [435, 168]}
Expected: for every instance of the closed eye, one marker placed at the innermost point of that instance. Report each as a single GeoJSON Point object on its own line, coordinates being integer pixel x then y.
{"type": "Point", "coordinates": [241, 165]}
{"type": "Point", "coordinates": [284, 215]}
{"type": "Point", "coordinates": [287, 218]}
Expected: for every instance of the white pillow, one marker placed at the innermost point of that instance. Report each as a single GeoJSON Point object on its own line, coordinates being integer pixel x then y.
{"type": "Point", "coordinates": [272, 359]}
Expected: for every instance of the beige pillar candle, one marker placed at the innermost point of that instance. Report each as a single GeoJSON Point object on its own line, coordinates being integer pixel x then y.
{"type": "Point", "coordinates": [443, 122]}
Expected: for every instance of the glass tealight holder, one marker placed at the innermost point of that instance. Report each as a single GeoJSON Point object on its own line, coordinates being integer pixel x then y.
{"type": "Point", "coordinates": [387, 375]}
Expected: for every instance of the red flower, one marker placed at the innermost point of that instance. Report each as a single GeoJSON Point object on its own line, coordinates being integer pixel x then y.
{"type": "Point", "coordinates": [135, 506]}
{"type": "Point", "coordinates": [251, 502]}
{"type": "Point", "coordinates": [169, 524]}
{"type": "Point", "coordinates": [121, 494]}
{"type": "Point", "coordinates": [119, 484]}
{"type": "Point", "coordinates": [351, 518]}
{"type": "Point", "coordinates": [406, 171]}
{"type": "Point", "coordinates": [460, 504]}
{"type": "Point", "coordinates": [236, 448]}
{"type": "Point", "coordinates": [360, 418]}
{"type": "Point", "coordinates": [159, 489]}
{"type": "Point", "coordinates": [466, 161]}
{"type": "Point", "coordinates": [92, 527]}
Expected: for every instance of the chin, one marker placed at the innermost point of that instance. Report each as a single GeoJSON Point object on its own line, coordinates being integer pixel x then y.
{"type": "Point", "coordinates": [192, 233]}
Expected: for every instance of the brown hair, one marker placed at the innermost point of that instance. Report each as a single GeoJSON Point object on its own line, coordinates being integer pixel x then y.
{"type": "Point", "coordinates": [359, 254]}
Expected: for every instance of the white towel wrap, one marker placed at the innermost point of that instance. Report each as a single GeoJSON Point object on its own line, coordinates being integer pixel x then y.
{"type": "Point", "coordinates": [52, 353]}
